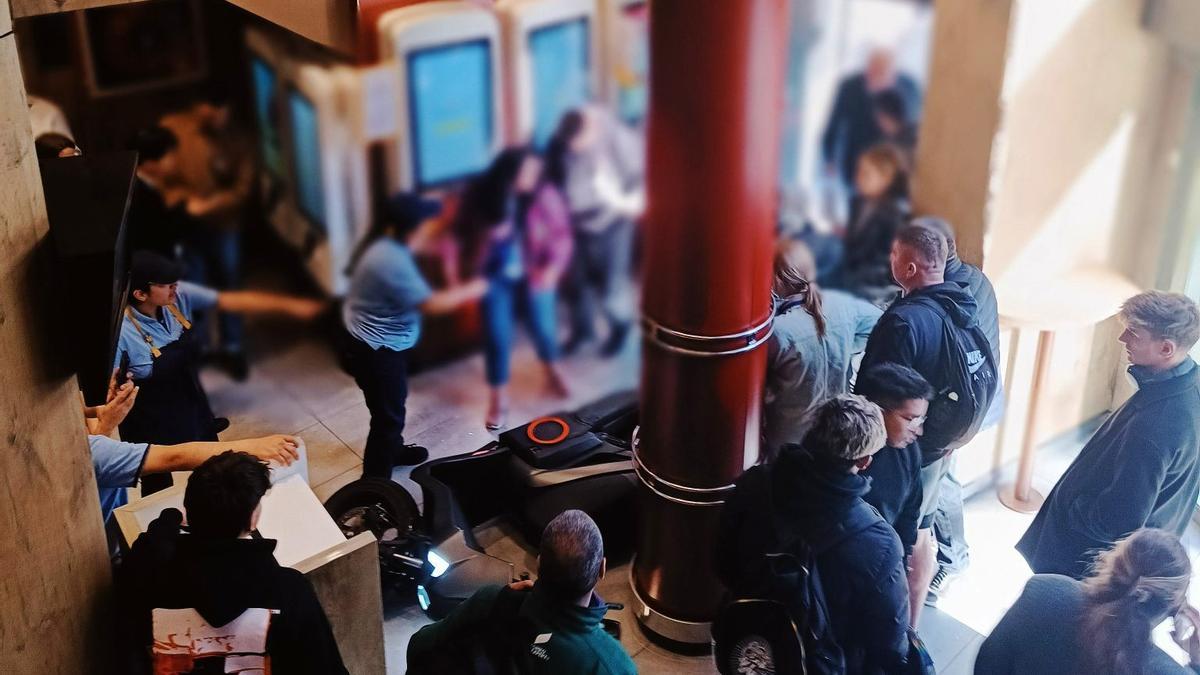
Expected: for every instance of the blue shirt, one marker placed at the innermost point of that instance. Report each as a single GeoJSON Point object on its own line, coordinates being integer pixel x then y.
{"type": "Point", "coordinates": [804, 369]}
{"type": "Point", "coordinates": [382, 306]}
{"type": "Point", "coordinates": [117, 465]}
{"type": "Point", "coordinates": [162, 330]}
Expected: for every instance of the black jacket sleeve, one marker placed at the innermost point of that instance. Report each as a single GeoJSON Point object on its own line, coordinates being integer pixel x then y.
{"type": "Point", "coordinates": [301, 639]}
{"type": "Point", "coordinates": [884, 618]}
{"type": "Point", "coordinates": [892, 340]}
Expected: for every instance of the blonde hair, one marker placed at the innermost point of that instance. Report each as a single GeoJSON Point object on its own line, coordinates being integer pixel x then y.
{"type": "Point", "coordinates": [1134, 586]}
{"type": "Point", "coordinates": [796, 274]}
{"type": "Point", "coordinates": [1167, 316]}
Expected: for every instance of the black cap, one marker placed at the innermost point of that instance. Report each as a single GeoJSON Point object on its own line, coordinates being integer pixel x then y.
{"type": "Point", "coordinates": [151, 268]}
{"type": "Point", "coordinates": [406, 210]}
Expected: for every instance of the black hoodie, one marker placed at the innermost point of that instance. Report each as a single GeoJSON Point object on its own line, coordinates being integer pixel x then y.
{"type": "Point", "coordinates": [221, 578]}
{"type": "Point", "coordinates": [910, 333]}
{"type": "Point", "coordinates": [862, 576]}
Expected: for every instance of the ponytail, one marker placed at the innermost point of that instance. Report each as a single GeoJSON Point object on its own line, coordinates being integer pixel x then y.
{"type": "Point", "coordinates": [795, 275]}
{"type": "Point", "coordinates": [1138, 583]}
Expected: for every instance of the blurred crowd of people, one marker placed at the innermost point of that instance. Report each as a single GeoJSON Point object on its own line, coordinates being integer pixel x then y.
{"type": "Point", "coordinates": [882, 365]}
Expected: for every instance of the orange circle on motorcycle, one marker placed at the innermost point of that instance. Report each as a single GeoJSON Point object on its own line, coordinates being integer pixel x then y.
{"type": "Point", "coordinates": [566, 430]}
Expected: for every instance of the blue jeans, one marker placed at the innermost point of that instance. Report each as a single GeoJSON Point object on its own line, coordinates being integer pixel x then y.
{"type": "Point", "coordinates": [214, 258]}
{"type": "Point", "coordinates": [500, 305]}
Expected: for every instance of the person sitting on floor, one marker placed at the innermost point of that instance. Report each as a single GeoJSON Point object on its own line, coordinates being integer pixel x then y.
{"type": "Point", "coordinates": [553, 625]}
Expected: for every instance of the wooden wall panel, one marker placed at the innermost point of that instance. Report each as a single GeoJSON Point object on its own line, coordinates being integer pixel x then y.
{"type": "Point", "coordinates": [24, 8]}
{"type": "Point", "coordinates": [52, 546]}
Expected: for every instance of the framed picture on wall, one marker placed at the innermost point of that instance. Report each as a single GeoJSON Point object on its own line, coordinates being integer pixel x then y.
{"type": "Point", "coordinates": [148, 45]}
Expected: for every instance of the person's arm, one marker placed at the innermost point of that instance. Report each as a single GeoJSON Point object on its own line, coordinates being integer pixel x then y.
{"type": "Point", "coordinates": [260, 302]}
{"type": "Point", "coordinates": [187, 456]}
{"type": "Point", "coordinates": [1130, 490]}
{"type": "Point", "coordinates": [892, 340]}
{"type": "Point", "coordinates": [227, 199]}
{"type": "Point", "coordinates": [884, 620]}
{"type": "Point", "coordinates": [909, 518]}
{"type": "Point", "coordinates": [462, 619]}
{"type": "Point", "coordinates": [551, 217]}
{"type": "Point", "coordinates": [446, 300]}
{"type": "Point", "coordinates": [866, 316]}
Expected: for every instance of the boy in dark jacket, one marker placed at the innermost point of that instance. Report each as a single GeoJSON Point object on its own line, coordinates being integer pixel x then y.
{"type": "Point", "coordinates": [816, 488]}
{"type": "Point", "coordinates": [912, 332]}
{"type": "Point", "coordinates": [220, 573]}
{"type": "Point", "coordinates": [551, 626]}
{"type": "Point", "coordinates": [948, 527]}
{"type": "Point", "coordinates": [895, 473]}
{"type": "Point", "coordinates": [1142, 467]}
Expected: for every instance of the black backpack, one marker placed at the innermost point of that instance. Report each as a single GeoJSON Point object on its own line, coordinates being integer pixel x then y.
{"type": "Point", "coordinates": [960, 405]}
{"type": "Point", "coordinates": [790, 623]}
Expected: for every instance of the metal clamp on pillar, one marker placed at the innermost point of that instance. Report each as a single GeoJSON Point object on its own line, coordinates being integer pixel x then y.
{"type": "Point", "coordinates": [680, 494]}
{"type": "Point", "coordinates": [690, 344]}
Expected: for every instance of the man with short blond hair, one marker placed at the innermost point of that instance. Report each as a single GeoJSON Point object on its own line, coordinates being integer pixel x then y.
{"type": "Point", "coordinates": [1142, 467]}
{"type": "Point", "coordinates": [812, 496]}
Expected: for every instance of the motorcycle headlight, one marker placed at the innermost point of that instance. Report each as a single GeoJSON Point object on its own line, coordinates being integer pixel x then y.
{"type": "Point", "coordinates": [423, 598]}
{"type": "Point", "coordinates": [440, 564]}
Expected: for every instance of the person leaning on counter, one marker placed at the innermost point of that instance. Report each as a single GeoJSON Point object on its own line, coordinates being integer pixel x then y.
{"type": "Point", "coordinates": [159, 353]}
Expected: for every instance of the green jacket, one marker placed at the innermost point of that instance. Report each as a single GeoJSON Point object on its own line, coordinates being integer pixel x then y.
{"type": "Point", "coordinates": [558, 639]}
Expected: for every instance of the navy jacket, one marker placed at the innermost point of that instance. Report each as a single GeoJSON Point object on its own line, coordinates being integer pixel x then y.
{"type": "Point", "coordinates": [852, 127]}
{"type": "Point", "coordinates": [895, 475]}
{"type": "Point", "coordinates": [911, 333]}
{"type": "Point", "coordinates": [1040, 634]}
{"type": "Point", "coordinates": [1140, 469]}
{"type": "Point", "coordinates": [980, 288]}
{"type": "Point", "coordinates": [862, 576]}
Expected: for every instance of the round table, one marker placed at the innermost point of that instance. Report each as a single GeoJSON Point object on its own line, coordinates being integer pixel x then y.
{"type": "Point", "coordinates": [1077, 298]}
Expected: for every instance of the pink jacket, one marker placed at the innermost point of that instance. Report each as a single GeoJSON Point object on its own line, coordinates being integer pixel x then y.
{"type": "Point", "coordinates": [547, 241]}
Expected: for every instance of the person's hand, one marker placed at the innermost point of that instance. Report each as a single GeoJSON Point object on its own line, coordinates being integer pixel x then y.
{"type": "Point", "coordinates": [522, 585]}
{"type": "Point", "coordinates": [279, 448]}
{"type": "Point", "coordinates": [113, 385]}
{"type": "Point", "coordinates": [306, 309]}
{"type": "Point", "coordinates": [1188, 639]}
{"type": "Point", "coordinates": [110, 415]}
{"type": "Point", "coordinates": [475, 288]}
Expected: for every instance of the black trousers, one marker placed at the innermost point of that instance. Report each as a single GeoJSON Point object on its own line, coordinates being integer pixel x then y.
{"type": "Point", "coordinates": [382, 375]}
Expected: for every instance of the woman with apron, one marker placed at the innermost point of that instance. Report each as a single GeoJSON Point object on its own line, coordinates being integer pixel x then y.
{"type": "Point", "coordinates": [159, 351]}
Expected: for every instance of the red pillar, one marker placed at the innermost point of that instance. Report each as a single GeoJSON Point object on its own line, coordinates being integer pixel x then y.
{"type": "Point", "coordinates": [716, 97]}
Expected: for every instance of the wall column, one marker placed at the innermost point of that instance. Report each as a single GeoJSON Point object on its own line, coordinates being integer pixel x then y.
{"type": "Point", "coordinates": [962, 117]}
{"type": "Point", "coordinates": [52, 546]}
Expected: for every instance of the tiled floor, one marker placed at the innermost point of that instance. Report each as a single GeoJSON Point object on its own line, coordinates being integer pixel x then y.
{"type": "Point", "coordinates": [296, 387]}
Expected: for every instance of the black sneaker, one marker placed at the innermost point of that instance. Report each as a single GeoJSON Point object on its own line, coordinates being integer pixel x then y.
{"type": "Point", "coordinates": [220, 424]}
{"type": "Point", "coordinates": [410, 455]}
{"type": "Point", "coordinates": [936, 586]}
{"type": "Point", "coordinates": [616, 340]}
